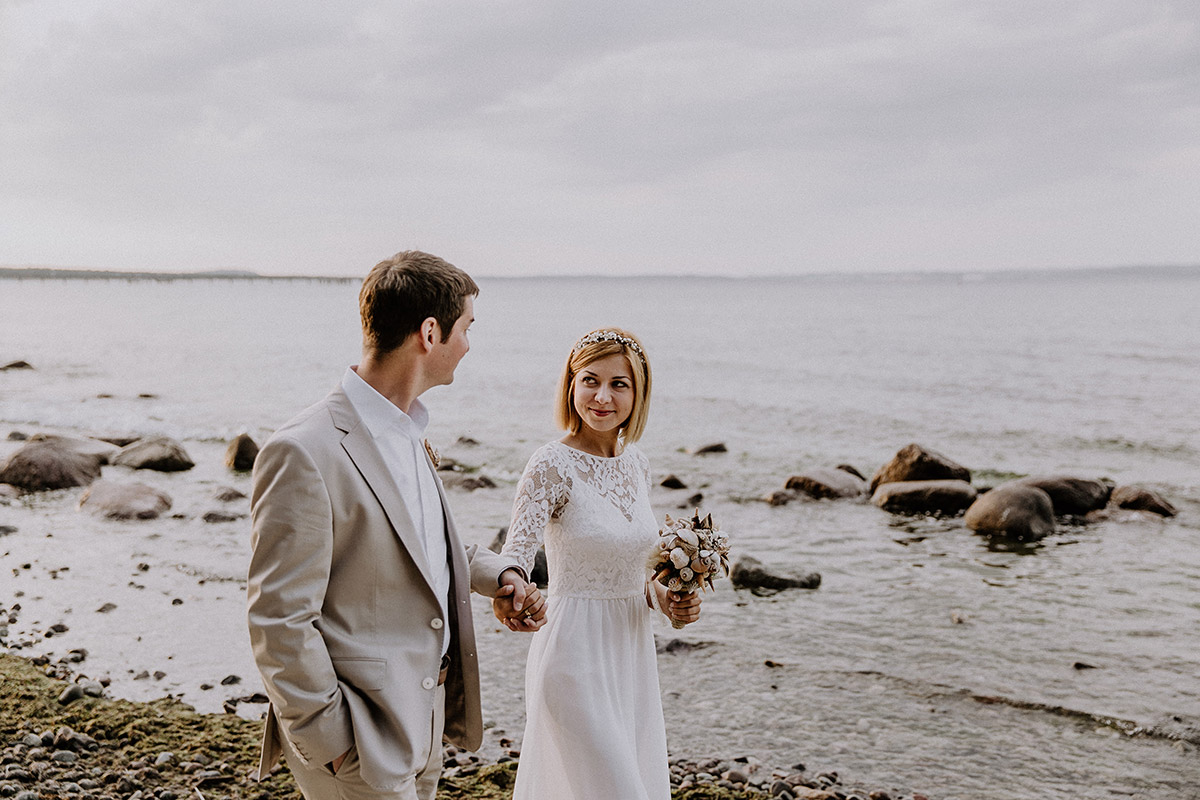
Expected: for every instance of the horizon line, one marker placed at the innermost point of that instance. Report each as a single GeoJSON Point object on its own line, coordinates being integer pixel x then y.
{"type": "Point", "coordinates": [36, 272]}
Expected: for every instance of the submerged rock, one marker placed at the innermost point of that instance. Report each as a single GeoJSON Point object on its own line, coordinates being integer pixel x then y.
{"type": "Point", "coordinates": [779, 497]}
{"type": "Point", "coordinates": [1012, 509]}
{"type": "Point", "coordinates": [16, 365]}
{"type": "Point", "coordinates": [1139, 498]}
{"type": "Point", "coordinates": [159, 453]}
{"type": "Point", "coordinates": [748, 572]}
{"type": "Point", "coordinates": [1071, 496]}
{"type": "Point", "coordinates": [112, 500]}
{"type": "Point", "coordinates": [49, 464]}
{"type": "Point", "coordinates": [706, 449]}
{"type": "Point", "coordinates": [948, 497]}
{"type": "Point", "coordinates": [227, 494]}
{"type": "Point", "coordinates": [824, 483]}
{"type": "Point", "coordinates": [672, 482]}
{"type": "Point", "coordinates": [241, 453]}
{"type": "Point", "coordinates": [915, 463]}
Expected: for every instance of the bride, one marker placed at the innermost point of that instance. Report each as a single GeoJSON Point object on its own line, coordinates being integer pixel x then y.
{"type": "Point", "coordinates": [594, 723]}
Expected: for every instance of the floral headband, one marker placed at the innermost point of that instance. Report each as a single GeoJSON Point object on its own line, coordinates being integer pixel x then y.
{"type": "Point", "coordinates": [609, 336]}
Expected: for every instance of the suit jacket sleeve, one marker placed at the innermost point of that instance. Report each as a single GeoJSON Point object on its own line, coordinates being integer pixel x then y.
{"type": "Point", "coordinates": [292, 550]}
{"type": "Point", "coordinates": [486, 567]}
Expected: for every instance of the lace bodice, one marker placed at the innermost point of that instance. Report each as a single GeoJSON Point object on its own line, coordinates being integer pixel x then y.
{"type": "Point", "coordinates": [594, 516]}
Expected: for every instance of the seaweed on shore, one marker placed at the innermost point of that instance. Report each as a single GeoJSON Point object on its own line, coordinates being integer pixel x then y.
{"type": "Point", "coordinates": [210, 753]}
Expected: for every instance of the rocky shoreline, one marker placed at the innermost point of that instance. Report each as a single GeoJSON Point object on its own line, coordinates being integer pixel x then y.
{"type": "Point", "coordinates": [60, 737]}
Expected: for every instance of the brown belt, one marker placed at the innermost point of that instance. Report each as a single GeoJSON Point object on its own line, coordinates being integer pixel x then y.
{"type": "Point", "coordinates": [445, 669]}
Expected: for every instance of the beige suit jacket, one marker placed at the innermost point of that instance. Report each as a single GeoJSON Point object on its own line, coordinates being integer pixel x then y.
{"type": "Point", "coordinates": [344, 622]}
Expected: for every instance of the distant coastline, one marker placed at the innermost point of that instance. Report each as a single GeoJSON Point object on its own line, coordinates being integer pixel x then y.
{"type": "Point", "coordinates": [1149, 271]}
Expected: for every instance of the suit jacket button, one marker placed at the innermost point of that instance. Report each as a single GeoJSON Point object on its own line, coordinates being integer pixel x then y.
{"type": "Point", "coordinates": [436, 624]}
{"type": "Point", "coordinates": [429, 683]}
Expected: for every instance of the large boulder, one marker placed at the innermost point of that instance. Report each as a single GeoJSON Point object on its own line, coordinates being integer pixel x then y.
{"type": "Point", "coordinates": [541, 571]}
{"type": "Point", "coordinates": [241, 453]}
{"type": "Point", "coordinates": [158, 453]}
{"type": "Point", "coordinates": [747, 572]}
{"type": "Point", "coordinates": [49, 464]}
{"type": "Point", "coordinates": [1071, 496]}
{"type": "Point", "coordinates": [88, 447]}
{"type": "Point", "coordinates": [113, 500]}
{"type": "Point", "coordinates": [949, 498]}
{"type": "Point", "coordinates": [825, 483]}
{"type": "Point", "coordinates": [915, 463]}
{"type": "Point", "coordinates": [1013, 510]}
{"type": "Point", "coordinates": [1139, 498]}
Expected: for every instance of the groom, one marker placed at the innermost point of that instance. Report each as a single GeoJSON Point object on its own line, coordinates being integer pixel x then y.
{"type": "Point", "coordinates": [358, 586]}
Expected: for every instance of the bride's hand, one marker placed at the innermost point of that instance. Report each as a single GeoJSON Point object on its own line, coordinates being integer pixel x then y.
{"type": "Point", "coordinates": [533, 608]}
{"type": "Point", "coordinates": [683, 608]}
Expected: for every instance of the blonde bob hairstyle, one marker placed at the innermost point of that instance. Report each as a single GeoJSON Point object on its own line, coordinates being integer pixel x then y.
{"type": "Point", "coordinates": [598, 344]}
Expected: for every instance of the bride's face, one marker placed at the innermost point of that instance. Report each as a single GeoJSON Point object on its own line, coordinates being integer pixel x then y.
{"type": "Point", "coordinates": [603, 393]}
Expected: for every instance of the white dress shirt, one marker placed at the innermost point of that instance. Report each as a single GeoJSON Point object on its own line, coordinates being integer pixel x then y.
{"type": "Point", "coordinates": [400, 438]}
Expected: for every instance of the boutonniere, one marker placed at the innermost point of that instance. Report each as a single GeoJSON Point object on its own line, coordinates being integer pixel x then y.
{"type": "Point", "coordinates": [433, 454]}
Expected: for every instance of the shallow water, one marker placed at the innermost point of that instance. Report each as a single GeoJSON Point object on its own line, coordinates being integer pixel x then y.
{"type": "Point", "coordinates": [875, 679]}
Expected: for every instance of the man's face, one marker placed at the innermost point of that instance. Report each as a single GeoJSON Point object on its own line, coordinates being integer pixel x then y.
{"type": "Point", "coordinates": [447, 354]}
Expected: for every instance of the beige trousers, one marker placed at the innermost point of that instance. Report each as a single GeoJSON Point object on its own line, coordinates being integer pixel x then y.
{"type": "Point", "coordinates": [318, 783]}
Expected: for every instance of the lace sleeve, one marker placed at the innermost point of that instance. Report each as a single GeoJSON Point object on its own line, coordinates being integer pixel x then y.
{"type": "Point", "coordinates": [541, 495]}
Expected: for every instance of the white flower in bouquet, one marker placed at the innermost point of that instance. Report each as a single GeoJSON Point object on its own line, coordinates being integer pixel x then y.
{"type": "Point", "coordinates": [689, 554]}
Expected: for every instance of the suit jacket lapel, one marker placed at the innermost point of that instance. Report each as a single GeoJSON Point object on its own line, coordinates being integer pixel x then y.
{"type": "Point", "coordinates": [361, 448]}
{"type": "Point", "coordinates": [458, 559]}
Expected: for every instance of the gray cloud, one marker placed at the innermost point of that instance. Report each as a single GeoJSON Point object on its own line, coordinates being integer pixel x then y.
{"type": "Point", "coordinates": [529, 137]}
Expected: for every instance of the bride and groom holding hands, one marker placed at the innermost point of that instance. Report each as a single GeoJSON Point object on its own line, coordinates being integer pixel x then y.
{"type": "Point", "coordinates": [358, 589]}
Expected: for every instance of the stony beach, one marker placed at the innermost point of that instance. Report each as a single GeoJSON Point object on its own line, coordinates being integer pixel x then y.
{"type": "Point", "coordinates": [60, 736]}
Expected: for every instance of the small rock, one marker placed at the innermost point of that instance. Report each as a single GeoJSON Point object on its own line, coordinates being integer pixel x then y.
{"type": "Point", "coordinates": [241, 453]}
{"type": "Point", "coordinates": [49, 464]}
{"type": "Point", "coordinates": [748, 572]}
{"type": "Point", "coordinates": [159, 453]}
{"type": "Point", "coordinates": [708, 449]}
{"type": "Point", "coordinates": [6, 530]}
{"type": "Point", "coordinates": [124, 501]}
{"type": "Point", "coordinates": [915, 463]}
{"type": "Point", "coordinates": [16, 365]}
{"type": "Point", "coordinates": [107, 607]}
{"type": "Point", "coordinates": [64, 757]}
{"type": "Point", "coordinates": [221, 516]}
{"type": "Point", "coordinates": [17, 436]}
{"type": "Point", "coordinates": [672, 482]}
{"type": "Point", "coordinates": [828, 484]}
{"type": "Point", "coordinates": [948, 497]}
{"type": "Point", "coordinates": [71, 694]}
{"type": "Point", "coordinates": [162, 759]}
{"type": "Point", "coordinates": [1139, 498]}
{"type": "Point", "coordinates": [227, 494]}
{"type": "Point", "coordinates": [779, 497]}
{"type": "Point", "coordinates": [1071, 496]}
{"type": "Point", "coordinates": [1012, 510]}
{"type": "Point", "coordinates": [231, 680]}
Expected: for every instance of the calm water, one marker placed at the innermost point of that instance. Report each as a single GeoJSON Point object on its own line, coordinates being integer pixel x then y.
{"type": "Point", "coordinates": [875, 678]}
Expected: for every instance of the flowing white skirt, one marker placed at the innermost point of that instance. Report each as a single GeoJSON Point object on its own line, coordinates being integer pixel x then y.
{"type": "Point", "coordinates": [594, 722]}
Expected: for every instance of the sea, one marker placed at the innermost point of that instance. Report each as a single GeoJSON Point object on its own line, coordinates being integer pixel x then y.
{"type": "Point", "coordinates": [929, 660]}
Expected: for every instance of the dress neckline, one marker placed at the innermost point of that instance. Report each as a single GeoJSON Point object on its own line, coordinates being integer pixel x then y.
{"type": "Point", "coordinates": [620, 455]}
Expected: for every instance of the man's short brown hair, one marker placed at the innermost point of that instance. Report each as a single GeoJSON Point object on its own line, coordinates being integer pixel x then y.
{"type": "Point", "coordinates": [403, 291]}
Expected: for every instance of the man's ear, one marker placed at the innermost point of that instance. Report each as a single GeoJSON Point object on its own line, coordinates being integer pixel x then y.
{"type": "Point", "coordinates": [429, 333]}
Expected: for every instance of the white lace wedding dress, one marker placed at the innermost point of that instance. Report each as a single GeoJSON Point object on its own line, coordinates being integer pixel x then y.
{"type": "Point", "coordinates": [594, 723]}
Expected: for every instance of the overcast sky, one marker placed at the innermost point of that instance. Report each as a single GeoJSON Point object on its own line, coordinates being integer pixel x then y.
{"type": "Point", "coordinates": [642, 137]}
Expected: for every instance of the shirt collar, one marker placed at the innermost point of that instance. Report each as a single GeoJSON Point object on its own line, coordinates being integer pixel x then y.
{"type": "Point", "coordinates": [381, 415]}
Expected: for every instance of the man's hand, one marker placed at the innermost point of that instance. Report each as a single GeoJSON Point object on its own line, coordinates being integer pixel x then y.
{"type": "Point", "coordinates": [518, 603]}
{"type": "Point", "coordinates": [336, 764]}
